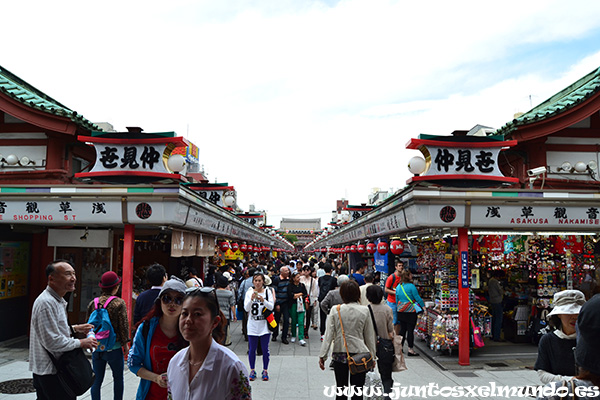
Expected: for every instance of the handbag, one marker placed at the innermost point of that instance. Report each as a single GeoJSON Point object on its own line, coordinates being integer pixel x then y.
{"type": "Point", "coordinates": [360, 362]}
{"type": "Point", "coordinates": [399, 362]}
{"type": "Point", "coordinates": [415, 306]}
{"type": "Point", "coordinates": [477, 337]}
{"type": "Point", "coordinates": [74, 372]}
{"type": "Point", "coordinates": [269, 317]}
{"type": "Point", "coordinates": [385, 347]}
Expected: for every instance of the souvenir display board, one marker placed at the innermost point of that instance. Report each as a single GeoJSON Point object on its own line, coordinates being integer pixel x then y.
{"type": "Point", "coordinates": [14, 269]}
{"type": "Point", "coordinates": [531, 270]}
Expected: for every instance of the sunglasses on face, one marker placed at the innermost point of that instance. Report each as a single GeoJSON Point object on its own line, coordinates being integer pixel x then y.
{"type": "Point", "coordinates": [168, 299]}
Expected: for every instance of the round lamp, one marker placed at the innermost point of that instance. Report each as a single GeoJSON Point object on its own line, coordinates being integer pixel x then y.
{"type": "Point", "coordinates": [176, 163]}
{"type": "Point", "coordinates": [382, 248]}
{"type": "Point", "coordinates": [579, 167]}
{"type": "Point", "coordinates": [417, 165]}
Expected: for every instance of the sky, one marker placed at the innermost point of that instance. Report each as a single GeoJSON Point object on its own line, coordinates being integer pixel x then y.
{"type": "Point", "coordinates": [300, 103]}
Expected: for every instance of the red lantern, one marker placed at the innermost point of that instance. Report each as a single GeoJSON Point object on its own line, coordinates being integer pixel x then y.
{"type": "Point", "coordinates": [243, 248]}
{"type": "Point", "coordinates": [397, 247]}
{"type": "Point", "coordinates": [264, 248]}
{"type": "Point", "coordinates": [256, 249]}
{"type": "Point", "coordinates": [234, 247]}
{"type": "Point", "coordinates": [323, 250]}
{"type": "Point", "coordinates": [353, 248]}
{"type": "Point", "coordinates": [346, 249]}
{"type": "Point", "coordinates": [360, 248]}
{"type": "Point", "coordinates": [382, 248]}
{"type": "Point", "coordinates": [224, 246]}
{"type": "Point", "coordinates": [371, 248]}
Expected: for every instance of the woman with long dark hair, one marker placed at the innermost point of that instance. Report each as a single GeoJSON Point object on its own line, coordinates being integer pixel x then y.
{"type": "Point", "coordinates": [205, 369]}
{"type": "Point", "coordinates": [156, 341]}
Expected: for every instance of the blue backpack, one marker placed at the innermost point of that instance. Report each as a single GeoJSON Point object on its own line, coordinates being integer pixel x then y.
{"type": "Point", "coordinates": [105, 333]}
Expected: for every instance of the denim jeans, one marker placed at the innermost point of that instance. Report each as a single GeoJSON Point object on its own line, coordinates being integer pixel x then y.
{"type": "Point", "coordinates": [114, 359]}
{"type": "Point", "coordinates": [497, 315]}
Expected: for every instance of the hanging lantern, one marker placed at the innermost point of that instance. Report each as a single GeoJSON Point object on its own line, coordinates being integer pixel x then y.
{"type": "Point", "coordinates": [371, 248]}
{"type": "Point", "coordinates": [361, 248]}
{"type": "Point", "coordinates": [256, 249]}
{"type": "Point", "coordinates": [346, 249]}
{"type": "Point", "coordinates": [397, 247]}
{"type": "Point", "coordinates": [224, 246]}
{"type": "Point", "coordinates": [382, 248]}
{"type": "Point", "coordinates": [234, 247]}
{"type": "Point", "coordinates": [243, 248]}
{"type": "Point", "coordinates": [353, 248]}
{"type": "Point", "coordinates": [264, 248]}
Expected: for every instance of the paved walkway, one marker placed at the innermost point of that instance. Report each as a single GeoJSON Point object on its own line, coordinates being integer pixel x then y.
{"type": "Point", "coordinates": [293, 370]}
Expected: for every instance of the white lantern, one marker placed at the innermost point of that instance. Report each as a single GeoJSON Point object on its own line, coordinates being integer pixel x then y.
{"type": "Point", "coordinates": [566, 166]}
{"type": "Point", "coordinates": [12, 159]}
{"type": "Point", "coordinates": [176, 163]}
{"type": "Point", "coordinates": [579, 167]}
{"type": "Point", "coordinates": [345, 216]}
{"type": "Point", "coordinates": [229, 199]}
{"type": "Point", "coordinates": [417, 165]}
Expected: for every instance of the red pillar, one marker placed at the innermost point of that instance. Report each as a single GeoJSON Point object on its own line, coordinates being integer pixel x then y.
{"type": "Point", "coordinates": [128, 245]}
{"type": "Point", "coordinates": [463, 297]}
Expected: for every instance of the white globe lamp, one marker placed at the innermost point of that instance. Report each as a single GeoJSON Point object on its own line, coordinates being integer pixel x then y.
{"type": "Point", "coordinates": [176, 163]}
{"type": "Point", "coordinates": [12, 159]}
{"type": "Point", "coordinates": [417, 165]}
{"type": "Point", "coordinates": [579, 167]}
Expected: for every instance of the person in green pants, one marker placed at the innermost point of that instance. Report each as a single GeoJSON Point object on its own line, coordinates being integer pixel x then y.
{"type": "Point", "coordinates": [297, 298]}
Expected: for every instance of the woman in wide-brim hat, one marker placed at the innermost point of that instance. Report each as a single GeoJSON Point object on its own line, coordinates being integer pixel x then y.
{"type": "Point", "coordinates": [556, 360]}
{"type": "Point", "coordinates": [587, 356]}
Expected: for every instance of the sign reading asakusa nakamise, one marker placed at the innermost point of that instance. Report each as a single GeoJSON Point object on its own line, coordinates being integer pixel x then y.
{"type": "Point", "coordinates": [461, 158]}
{"type": "Point", "coordinates": [535, 216]}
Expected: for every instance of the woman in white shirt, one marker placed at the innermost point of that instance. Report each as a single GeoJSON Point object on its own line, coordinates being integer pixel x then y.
{"type": "Point", "coordinates": [258, 298]}
{"type": "Point", "coordinates": [205, 369]}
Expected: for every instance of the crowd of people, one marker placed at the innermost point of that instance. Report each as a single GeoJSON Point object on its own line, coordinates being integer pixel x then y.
{"type": "Point", "coordinates": [181, 327]}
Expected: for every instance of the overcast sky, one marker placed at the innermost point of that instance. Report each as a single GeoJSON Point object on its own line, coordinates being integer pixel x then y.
{"type": "Point", "coordinates": [300, 103]}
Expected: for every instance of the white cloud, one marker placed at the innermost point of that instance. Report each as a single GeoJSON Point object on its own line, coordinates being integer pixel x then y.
{"type": "Point", "coordinates": [297, 104]}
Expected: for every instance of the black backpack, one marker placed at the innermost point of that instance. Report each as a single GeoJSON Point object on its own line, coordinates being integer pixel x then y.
{"type": "Point", "coordinates": [326, 287]}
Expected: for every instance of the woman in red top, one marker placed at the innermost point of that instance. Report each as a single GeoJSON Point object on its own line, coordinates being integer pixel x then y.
{"type": "Point", "coordinates": [157, 340]}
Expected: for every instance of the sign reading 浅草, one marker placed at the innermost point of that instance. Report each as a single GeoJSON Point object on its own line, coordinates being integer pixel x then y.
{"type": "Point", "coordinates": [534, 216]}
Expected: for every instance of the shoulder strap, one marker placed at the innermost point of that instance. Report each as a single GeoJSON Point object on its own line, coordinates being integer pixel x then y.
{"type": "Point", "coordinates": [111, 298]}
{"type": "Point", "coordinates": [342, 326]}
{"type": "Point", "coordinates": [373, 319]}
{"type": "Point", "coordinates": [402, 286]}
{"type": "Point", "coordinates": [96, 300]}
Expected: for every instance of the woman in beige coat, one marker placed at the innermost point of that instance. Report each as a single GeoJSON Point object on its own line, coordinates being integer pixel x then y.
{"type": "Point", "coordinates": [360, 337]}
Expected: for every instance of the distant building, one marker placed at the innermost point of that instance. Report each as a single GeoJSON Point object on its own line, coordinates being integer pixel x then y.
{"type": "Point", "coordinates": [305, 230]}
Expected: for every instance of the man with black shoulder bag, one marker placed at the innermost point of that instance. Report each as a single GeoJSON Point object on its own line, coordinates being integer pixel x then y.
{"type": "Point", "coordinates": [50, 340]}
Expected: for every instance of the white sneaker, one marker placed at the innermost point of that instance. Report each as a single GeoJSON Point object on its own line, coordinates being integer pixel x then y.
{"type": "Point", "coordinates": [302, 342]}
{"type": "Point", "coordinates": [293, 340]}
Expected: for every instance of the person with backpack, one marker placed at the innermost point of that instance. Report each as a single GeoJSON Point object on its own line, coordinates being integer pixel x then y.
{"type": "Point", "coordinates": [326, 284]}
{"type": "Point", "coordinates": [390, 289]}
{"type": "Point", "coordinates": [108, 315]}
{"type": "Point", "coordinates": [156, 341]}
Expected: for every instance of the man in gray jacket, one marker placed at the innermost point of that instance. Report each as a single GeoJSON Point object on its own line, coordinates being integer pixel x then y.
{"type": "Point", "coordinates": [496, 294]}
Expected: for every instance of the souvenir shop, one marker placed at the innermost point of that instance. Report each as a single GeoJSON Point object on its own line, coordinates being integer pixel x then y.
{"type": "Point", "coordinates": [531, 268]}
{"type": "Point", "coordinates": [552, 249]}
